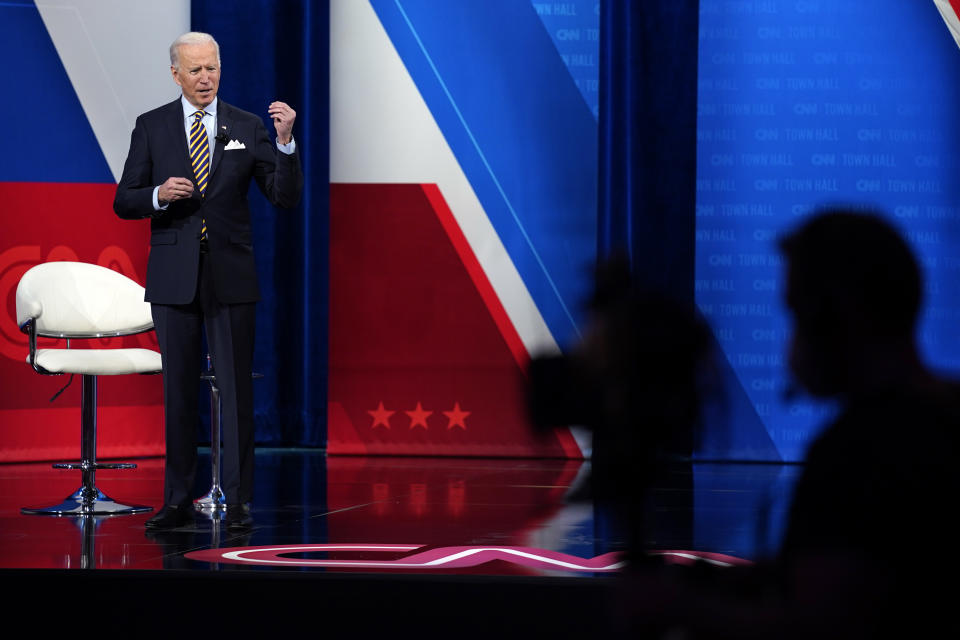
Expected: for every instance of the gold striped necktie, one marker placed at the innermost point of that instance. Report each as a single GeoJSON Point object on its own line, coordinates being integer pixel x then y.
{"type": "Point", "coordinates": [200, 159]}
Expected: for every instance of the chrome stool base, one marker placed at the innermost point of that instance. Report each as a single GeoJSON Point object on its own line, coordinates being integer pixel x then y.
{"type": "Point", "coordinates": [87, 502]}
{"type": "Point", "coordinates": [214, 500]}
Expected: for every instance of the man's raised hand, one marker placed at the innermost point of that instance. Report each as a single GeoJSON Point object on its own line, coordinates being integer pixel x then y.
{"type": "Point", "coordinates": [283, 117]}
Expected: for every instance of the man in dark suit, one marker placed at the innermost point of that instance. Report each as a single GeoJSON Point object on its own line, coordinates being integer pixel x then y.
{"type": "Point", "coordinates": [189, 170]}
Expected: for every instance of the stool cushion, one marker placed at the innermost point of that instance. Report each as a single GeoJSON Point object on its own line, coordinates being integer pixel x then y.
{"type": "Point", "coordinates": [99, 362]}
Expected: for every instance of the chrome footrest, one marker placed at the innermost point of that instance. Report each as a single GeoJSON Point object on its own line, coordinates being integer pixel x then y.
{"type": "Point", "coordinates": [87, 466]}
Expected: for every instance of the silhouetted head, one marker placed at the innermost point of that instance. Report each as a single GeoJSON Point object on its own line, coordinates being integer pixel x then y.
{"type": "Point", "coordinates": [854, 289]}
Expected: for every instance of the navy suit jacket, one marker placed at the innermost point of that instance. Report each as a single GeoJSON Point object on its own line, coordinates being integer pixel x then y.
{"type": "Point", "coordinates": [158, 150]}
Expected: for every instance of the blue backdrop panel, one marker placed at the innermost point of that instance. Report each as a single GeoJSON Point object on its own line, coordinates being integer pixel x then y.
{"type": "Point", "coordinates": [46, 124]}
{"type": "Point", "coordinates": [574, 28]}
{"type": "Point", "coordinates": [521, 131]}
{"type": "Point", "coordinates": [279, 51]}
{"type": "Point", "coordinates": [803, 104]}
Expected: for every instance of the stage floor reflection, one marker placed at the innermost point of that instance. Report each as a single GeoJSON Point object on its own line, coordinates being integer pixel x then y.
{"type": "Point", "coordinates": [315, 513]}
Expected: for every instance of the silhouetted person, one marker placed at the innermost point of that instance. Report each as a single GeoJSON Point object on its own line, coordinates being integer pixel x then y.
{"type": "Point", "coordinates": [869, 526]}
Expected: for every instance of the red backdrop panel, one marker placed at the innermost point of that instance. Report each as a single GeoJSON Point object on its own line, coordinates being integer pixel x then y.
{"type": "Point", "coordinates": [423, 359]}
{"type": "Point", "coordinates": [42, 222]}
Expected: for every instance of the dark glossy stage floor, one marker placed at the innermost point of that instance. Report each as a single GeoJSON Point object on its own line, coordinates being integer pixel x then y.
{"type": "Point", "coordinates": [370, 547]}
{"type": "Point", "coordinates": [396, 515]}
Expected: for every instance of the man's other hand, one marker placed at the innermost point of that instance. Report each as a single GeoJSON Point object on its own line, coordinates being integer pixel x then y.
{"type": "Point", "coordinates": [175, 189]}
{"type": "Point", "coordinates": [283, 117]}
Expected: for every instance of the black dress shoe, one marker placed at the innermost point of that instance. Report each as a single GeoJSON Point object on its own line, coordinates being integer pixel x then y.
{"type": "Point", "coordinates": [238, 518]}
{"type": "Point", "coordinates": [171, 516]}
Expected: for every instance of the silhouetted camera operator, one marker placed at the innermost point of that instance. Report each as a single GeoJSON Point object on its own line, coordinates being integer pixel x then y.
{"type": "Point", "coordinates": [633, 382]}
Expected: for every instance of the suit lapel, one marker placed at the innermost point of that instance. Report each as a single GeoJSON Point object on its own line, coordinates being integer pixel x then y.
{"type": "Point", "coordinates": [224, 125]}
{"type": "Point", "coordinates": [178, 133]}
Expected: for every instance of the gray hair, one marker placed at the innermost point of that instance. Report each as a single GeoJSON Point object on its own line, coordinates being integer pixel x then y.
{"type": "Point", "coordinates": [193, 37]}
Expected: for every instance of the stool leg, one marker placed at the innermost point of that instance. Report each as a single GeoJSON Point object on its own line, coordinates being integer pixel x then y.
{"type": "Point", "coordinates": [88, 439]}
{"type": "Point", "coordinates": [88, 500]}
{"type": "Point", "coordinates": [214, 499]}
{"type": "Point", "coordinates": [88, 556]}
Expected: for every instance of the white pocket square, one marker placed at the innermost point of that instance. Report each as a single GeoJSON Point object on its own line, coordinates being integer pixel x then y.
{"type": "Point", "coordinates": [234, 144]}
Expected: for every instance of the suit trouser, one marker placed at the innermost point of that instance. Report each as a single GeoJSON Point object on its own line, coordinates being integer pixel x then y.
{"type": "Point", "coordinates": [230, 336]}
